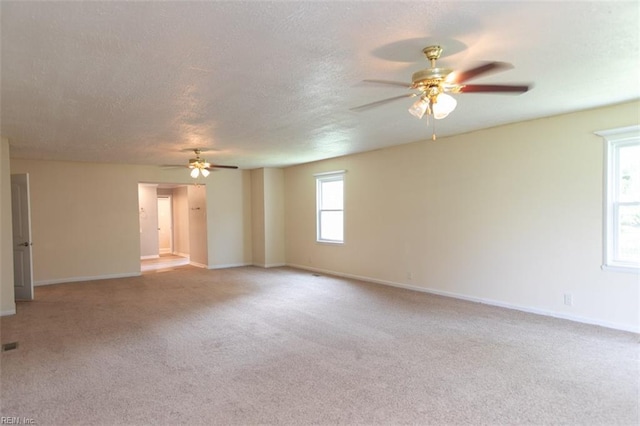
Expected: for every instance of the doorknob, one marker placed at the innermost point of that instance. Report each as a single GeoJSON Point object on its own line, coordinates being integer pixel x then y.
{"type": "Point", "coordinates": [25, 244]}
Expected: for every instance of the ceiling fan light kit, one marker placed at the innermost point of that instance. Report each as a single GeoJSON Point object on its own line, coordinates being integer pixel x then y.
{"type": "Point", "coordinates": [201, 167]}
{"type": "Point", "coordinates": [197, 171]}
{"type": "Point", "coordinates": [433, 85]}
{"type": "Point", "coordinates": [198, 165]}
{"type": "Point", "coordinates": [443, 105]}
{"type": "Point", "coordinates": [419, 107]}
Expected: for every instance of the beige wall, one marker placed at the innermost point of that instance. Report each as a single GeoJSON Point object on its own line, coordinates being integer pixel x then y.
{"type": "Point", "coordinates": [7, 303]}
{"type": "Point", "coordinates": [180, 221]}
{"type": "Point", "coordinates": [510, 215]}
{"type": "Point", "coordinates": [274, 217]}
{"type": "Point", "coordinates": [229, 218]}
{"type": "Point", "coordinates": [85, 217]}
{"type": "Point", "coordinates": [259, 256]}
{"type": "Point", "coordinates": [267, 201]}
{"type": "Point", "coordinates": [197, 200]}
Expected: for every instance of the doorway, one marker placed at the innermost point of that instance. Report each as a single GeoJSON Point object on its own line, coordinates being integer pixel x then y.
{"type": "Point", "coordinates": [165, 225]}
{"type": "Point", "coordinates": [172, 223]}
{"type": "Point", "coordinates": [21, 222]}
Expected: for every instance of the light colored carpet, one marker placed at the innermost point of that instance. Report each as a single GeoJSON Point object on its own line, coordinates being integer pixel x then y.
{"type": "Point", "coordinates": [282, 346]}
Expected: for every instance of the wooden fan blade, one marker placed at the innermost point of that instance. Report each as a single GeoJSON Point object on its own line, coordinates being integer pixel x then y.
{"type": "Point", "coordinates": [476, 72]}
{"type": "Point", "coordinates": [220, 166]}
{"type": "Point", "coordinates": [393, 83]}
{"type": "Point", "coordinates": [493, 88]}
{"type": "Point", "coordinates": [383, 101]}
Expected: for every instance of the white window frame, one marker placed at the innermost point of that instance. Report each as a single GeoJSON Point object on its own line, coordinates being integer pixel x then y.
{"type": "Point", "coordinates": [337, 175]}
{"type": "Point", "coordinates": [614, 139]}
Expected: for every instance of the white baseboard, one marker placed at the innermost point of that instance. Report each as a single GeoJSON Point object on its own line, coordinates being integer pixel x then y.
{"type": "Point", "coordinates": [177, 253]}
{"type": "Point", "coordinates": [198, 265]}
{"type": "Point", "coordinates": [8, 312]}
{"type": "Point", "coordinates": [545, 312]}
{"type": "Point", "coordinates": [90, 278]}
{"type": "Point", "coordinates": [229, 265]}
{"type": "Point", "coordinates": [152, 256]}
{"type": "Point", "coordinates": [269, 265]}
{"type": "Point", "coordinates": [165, 251]}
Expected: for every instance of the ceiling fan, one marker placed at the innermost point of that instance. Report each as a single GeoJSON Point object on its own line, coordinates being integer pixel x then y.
{"type": "Point", "coordinates": [200, 166]}
{"type": "Point", "coordinates": [432, 85]}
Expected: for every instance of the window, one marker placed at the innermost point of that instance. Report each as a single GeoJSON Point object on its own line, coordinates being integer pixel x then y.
{"type": "Point", "coordinates": [622, 198]}
{"type": "Point", "coordinates": [330, 207]}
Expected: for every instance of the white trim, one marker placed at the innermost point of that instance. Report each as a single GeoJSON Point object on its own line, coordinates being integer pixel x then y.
{"type": "Point", "coordinates": [198, 265]}
{"type": "Point", "coordinates": [335, 172]}
{"type": "Point", "coordinates": [153, 256]}
{"type": "Point", "coordinates": [620, 268]}
{"type": "Point", "coordinates": [491, 302]}
{"type": "Point", "coordinates": [269, 265]}
{"type": "Point", "coordinates": [177, 253]}
{"type": "Point", "coordinates": [621, 132]}
{"type": "Point", "coordinates": [91, 278]}
{"type": "Point", "coordinates": [230, 265]}
{"type": "Point", "coordinates": [330, 242]}
{"type": "Point", "coordinates": [8, 312]}
{"type": "Point", "coordinates": [321, 179]}
{"type": "Point", "coordinates": [613, 139]}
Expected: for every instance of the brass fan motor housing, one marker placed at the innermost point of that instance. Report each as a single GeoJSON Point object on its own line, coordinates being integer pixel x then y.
{"type": "Point", "coordinates": [432, 52]}
{"type": "Point", "coordinates": [198, 162]}
{"type": "Point", "coordinates": [429, 77]}
{"type": "Point", "coordinates": [424, 79]}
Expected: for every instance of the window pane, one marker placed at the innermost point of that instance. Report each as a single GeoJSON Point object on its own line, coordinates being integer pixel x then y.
{"type": "Point", "coordinates": [629, 166]}
{"type": "Point", "coordinates": [331, 226]}
{"type": "Point", "coordinates": [628, 233]}
{"type": "Point", "coordinates": [331, 195]}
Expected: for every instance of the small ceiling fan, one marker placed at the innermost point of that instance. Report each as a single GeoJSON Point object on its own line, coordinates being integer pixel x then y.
{"type": "Point", "coordinates": [432, 85]}
{"type": "Point", "coordinates": [200, 166]}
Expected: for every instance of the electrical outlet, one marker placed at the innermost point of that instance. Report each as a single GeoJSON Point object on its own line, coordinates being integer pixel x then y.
{"type": "Point", "coordinates": [568, 299]}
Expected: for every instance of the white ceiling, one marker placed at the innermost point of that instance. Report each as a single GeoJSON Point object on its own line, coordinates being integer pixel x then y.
{"type": "Point", "coordinates": [269, 83]}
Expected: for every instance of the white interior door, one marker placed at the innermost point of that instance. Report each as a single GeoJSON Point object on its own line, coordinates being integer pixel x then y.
{"type": "Point", "coordinates": [21, 218]}
{"type": "Point", "coordinates": [165, 225]}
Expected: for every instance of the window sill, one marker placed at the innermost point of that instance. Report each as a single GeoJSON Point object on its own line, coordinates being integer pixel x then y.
{"type": "Point", "coordinates": [331, 243]}
{"type": "Point", "coordinates": [621, 268]}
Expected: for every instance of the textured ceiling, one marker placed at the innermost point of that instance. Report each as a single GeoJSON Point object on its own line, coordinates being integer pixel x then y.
{"type": "Point", "coordinates": [266, 84]}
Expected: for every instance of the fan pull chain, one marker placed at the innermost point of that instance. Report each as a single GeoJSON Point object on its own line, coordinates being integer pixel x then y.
{"type": "Point", "coordinates": [433, 123]}
{"type": "Point", "coordinates": [427, 115]}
